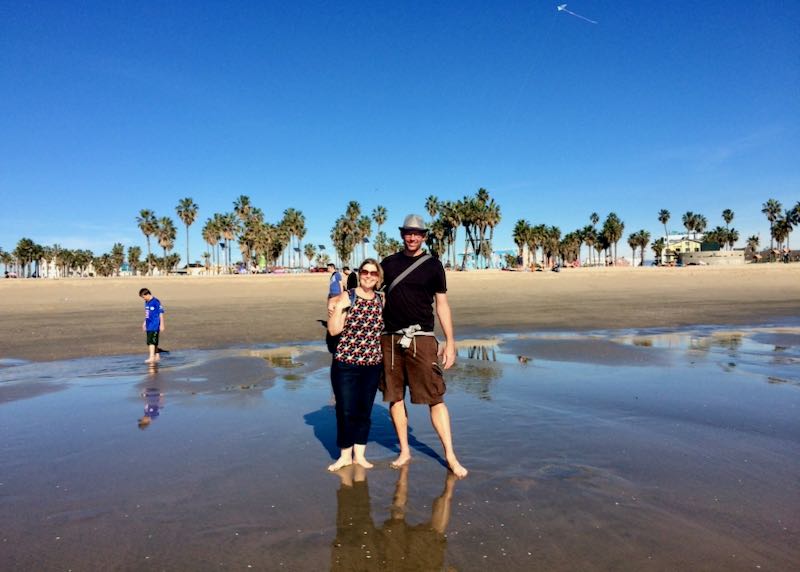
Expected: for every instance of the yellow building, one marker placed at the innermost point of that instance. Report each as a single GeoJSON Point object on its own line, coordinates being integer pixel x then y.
{"type": "Point", "coordinates": [676, 246]}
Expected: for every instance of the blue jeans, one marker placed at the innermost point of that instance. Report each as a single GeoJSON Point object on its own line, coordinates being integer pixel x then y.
{"type": "Point", "coordinates": [354, 387]}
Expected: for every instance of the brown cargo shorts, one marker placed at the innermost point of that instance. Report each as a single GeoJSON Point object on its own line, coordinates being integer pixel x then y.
{"type": "Point", "coordinates": [416, 367]}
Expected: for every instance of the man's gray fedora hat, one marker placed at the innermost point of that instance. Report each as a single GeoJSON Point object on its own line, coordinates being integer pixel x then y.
{"type": "Point", "coordinates": [414, 222]}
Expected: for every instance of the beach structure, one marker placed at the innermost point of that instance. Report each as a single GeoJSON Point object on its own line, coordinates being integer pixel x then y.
{"type": "Point", "coordinates": [680, 244]}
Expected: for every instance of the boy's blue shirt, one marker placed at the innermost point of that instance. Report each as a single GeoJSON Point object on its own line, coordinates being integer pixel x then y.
{"type": "Point", "coordinates": [152, 315]}
{"type": "Point", "coordinates": [335, 286]}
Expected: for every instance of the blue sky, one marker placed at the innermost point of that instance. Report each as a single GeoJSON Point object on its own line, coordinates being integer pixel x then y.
{"type": "Point", "coordinates": [110, 107]}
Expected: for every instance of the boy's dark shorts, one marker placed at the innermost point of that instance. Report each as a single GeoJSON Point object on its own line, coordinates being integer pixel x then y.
{"type": "Point", "coordinates": [152, 338]}
{"type": "Point", "coordinates": [418, 369]}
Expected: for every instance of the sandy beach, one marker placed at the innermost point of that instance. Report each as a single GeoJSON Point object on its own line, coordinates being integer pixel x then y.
{"type": "Point", "coordinates": [58, 319]}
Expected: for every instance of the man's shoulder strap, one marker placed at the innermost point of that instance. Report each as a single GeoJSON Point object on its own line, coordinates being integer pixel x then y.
{"type": "Point", "coordinates": [408, 271]}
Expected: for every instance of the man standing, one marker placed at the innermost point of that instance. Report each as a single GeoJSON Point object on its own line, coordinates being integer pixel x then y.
{"type": "Point", "coordinates": [411, 354]}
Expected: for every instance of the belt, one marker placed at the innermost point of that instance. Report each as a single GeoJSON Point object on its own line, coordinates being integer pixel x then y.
{"type": "Point", "coordinates": [408, 337]}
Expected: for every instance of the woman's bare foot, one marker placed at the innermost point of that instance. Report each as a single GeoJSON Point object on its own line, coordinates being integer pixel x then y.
{"type": "Point", "coordinates": [345, 459]}
{"type": "Point", "coordinates": [402, 460]}
{"type": "Point", "coordinates": [358, 456]}
{"type": "Point", "coordinates": [458, 469]}
{"type": "Point", "coordinates": [341, 462]}
{"type": "Point", "coordinates": [363, 463]}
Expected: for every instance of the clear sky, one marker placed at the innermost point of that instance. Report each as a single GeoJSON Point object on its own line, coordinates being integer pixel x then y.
{"type": "Point", "coordinates": [110, 107]}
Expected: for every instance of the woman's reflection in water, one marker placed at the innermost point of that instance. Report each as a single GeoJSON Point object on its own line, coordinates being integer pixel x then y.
{"type": "Point", "coordinates": [397, 545]}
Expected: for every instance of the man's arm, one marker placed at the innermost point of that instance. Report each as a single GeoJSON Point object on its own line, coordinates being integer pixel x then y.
{"type": "Point", "coordinates": [447, 355]}
{"type": "Point", "coordinates": [161, 324]}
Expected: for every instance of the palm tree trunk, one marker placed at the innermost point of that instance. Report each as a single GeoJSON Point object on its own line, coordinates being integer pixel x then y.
{"type": "Point", "coordinates": [187, 247]}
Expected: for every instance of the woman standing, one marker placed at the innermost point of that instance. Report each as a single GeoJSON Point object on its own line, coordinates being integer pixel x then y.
{"type": "Point", "coordinates": [357, 362]}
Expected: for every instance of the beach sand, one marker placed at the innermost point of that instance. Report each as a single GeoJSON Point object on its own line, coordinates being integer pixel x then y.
{"type": "Point", "coordinates": [58, 319]}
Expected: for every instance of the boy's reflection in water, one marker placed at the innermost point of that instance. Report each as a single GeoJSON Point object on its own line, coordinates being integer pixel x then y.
{"type": "Point", "coordinates": [397, 545]}
{"type": "Point", "coordinates": [153, 401]}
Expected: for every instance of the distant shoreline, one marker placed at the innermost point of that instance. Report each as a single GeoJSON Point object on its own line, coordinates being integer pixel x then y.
{"type": "Point", "coordinates": [72, 317]}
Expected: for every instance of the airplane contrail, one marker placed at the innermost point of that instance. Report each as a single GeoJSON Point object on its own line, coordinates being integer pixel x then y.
{"type": "Point", "coordinates": [563, 8]}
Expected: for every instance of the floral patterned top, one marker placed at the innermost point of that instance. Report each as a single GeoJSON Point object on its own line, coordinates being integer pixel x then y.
{"type": "Point", "coordinates": [360, 343]}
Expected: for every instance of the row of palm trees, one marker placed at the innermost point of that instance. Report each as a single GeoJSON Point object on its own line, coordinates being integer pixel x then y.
{"type": "Point", "coordinates": [531, 239]}
{"type": "Point", "coordinates": [32, 259]}
{"type": "Point", "coordinates": [478, 214]}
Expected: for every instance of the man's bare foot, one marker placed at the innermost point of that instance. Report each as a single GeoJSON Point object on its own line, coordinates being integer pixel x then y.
{"type": "Point", "coordinates": [401, 461]}
{"type": "Point", "coordinates": [341, 462]}
{"type": "Point", "coordinates": [149, 361]}
{"type": "Point", "coordinates": [458, 470]}
{"type": "Point", "coordinates": [363, 463]}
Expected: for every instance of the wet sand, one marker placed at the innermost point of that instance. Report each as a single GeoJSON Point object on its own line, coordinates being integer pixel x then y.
{"type": "Point", "coordinates": [618, 450]}
{"type": "Point", "coordinates": [58, 319]}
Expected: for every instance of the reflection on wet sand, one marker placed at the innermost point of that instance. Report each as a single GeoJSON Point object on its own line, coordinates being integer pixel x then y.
{"type": "Point", "coordinates": [396, 545]}
{"type": "Point", "coordinates": [153, 404]}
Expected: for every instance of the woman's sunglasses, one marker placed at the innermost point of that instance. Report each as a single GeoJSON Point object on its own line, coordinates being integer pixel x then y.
{"type": "Point", "coordinates": [373, 273]}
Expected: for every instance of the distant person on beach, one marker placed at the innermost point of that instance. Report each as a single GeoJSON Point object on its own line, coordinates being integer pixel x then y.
{"type": "Point", "coordinates": [335, 285]}
{"type": "Point", "coordinates": [352, 278]}
{"type": "Point", "coordinates": [153, 323]}
{"type": "Point", "coordinates": [357, 365]}
{"type": "Point", "coordinates": [411, 353]}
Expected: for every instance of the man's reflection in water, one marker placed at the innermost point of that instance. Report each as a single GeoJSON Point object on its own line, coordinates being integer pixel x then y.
{"type": "Point", "coordinates": [397, 545]}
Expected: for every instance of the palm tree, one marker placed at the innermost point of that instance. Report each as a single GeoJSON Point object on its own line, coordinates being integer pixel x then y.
{"type": "Point", "coordinates": [211, 235]}
{"type": "Point", "coordinates": [700, 224]}
{"type": "Point", "coordinates": [310, 251]}
{"type": "Point", "coordinates": [6, 258]}
{"type": "Point", "coordinates": [147, 224]}
{"type": "Point", "coordinates": [520, 237]}
{"type": "Point", "coordinates": [594, 218]}
{"type": "Point", "coordinates": [300, 231]}
{"type": "Point", "coordinates": [772, 210]}
{"type": "Point", "coordinates": [663, 218]}
{"type": "Point", "coordinates": [727, 216]}
{"type": "Point", "coordinates": [643, 239]}
{"type": "Point", "coordinates": [134, 253]}
{"type": "Point", "coordinates": [187, 212]}
{"type": "Point", "coordinates": [613, 228]}
{"type": "Point", "coordinates": [291, 223]}
{"type": "Point", "coordinates": [753, 242]}
{"type": "Point", "coordinates": [689, 220]}
{"type": "Point", "coordinates": [379, 216]}
{"type": "Point", "coordinates": [364, 225]}
{"type": "Point", "coordinates": [432, 206]}
{"type": "Point", "coordinates": [733, 237]}
{"type": "Point", "coordinates": [166, 233]}
{"type": "Point", "coordinates": [492, 218]}
{"type": "Point", "coordinates": [658, 249]}
{"type": "Point", "coordinates": [242, 207]}
{"type": "Point", "coordinates": [229, 227]}
{"type": "Point", "coordinates": [589, 236]}
{"type": "Point", "coordinates": [633, 242]}
{"type": "Point", "coordinates": [117, 257]}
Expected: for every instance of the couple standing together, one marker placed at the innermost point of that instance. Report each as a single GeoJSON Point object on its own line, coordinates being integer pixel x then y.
{"type": "Point", "coordinates": [392, 335]}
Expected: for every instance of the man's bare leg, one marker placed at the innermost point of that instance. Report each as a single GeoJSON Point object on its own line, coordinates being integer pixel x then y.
{"type": "Point", "coordinates": [400, 498]}
{"type": "Point", "coordinates": [440, 511]}
{"type": "Point", "coordinates": [440, 418]}
{"type": "Point", "coordinates": [400, 420]}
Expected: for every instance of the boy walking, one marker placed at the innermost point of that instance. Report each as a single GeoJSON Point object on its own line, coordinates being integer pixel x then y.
{"type": "Point", "coordinates": [153, 323]}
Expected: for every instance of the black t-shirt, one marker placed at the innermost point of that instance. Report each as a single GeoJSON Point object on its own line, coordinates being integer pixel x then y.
{"type": "Point", "coordinates": [352, 280]}
{"type": "Point", "coordinates": [411, 301]}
